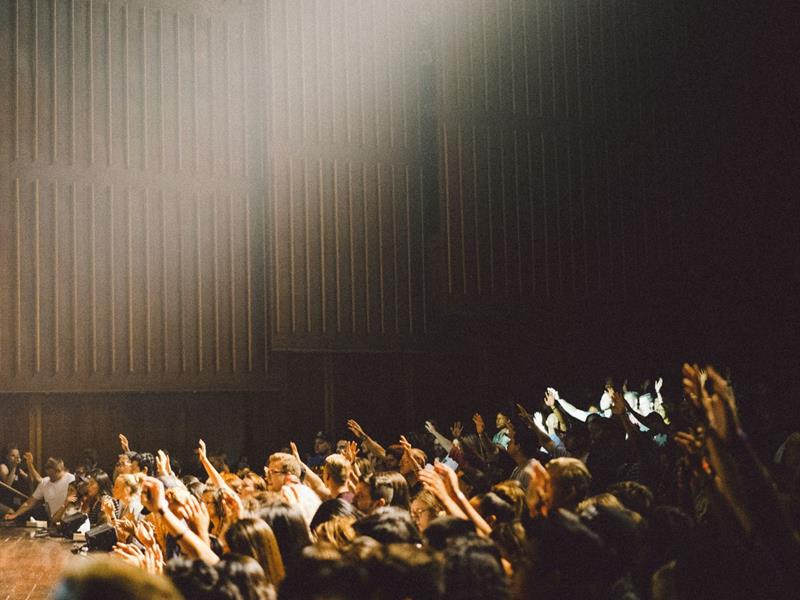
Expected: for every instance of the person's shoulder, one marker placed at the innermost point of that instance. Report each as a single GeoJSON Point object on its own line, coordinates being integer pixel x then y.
{"type": "Point", "coordinates": [69, 477]}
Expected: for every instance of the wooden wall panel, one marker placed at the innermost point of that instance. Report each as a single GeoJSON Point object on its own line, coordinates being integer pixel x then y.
{"type": "Point", "coordinates": [555, 157]}
{"type": "Point", "coordinates": [346, 173]}
{"type": "Point", "coordinates": [132, 196]}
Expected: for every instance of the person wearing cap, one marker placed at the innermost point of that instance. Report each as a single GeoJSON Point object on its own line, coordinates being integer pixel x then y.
{"type": "Point", "coordinates": [52, 490]}
{"type": "Point", "coordinates": [323, 448]}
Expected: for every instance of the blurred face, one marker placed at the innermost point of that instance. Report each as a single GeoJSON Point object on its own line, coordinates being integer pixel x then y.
{"type": "Point", "coordinates": [362, 500]}
{"type": "Point", "coordinates": [422, 514]}
{"type": "Point", "coordinates": [390, 463]}
{"type": "Point", "coordinates": [276, 477]}
{"type": "Point", "coordinates": [124, 465]}
{"type": "Point", "coordinates": [500, 420]}
{"type": "Point", "coordinates": [92, 488]}
{"type": "Point", "coordinates": [322, 446]}
{"type": "Point", "coordinates": [14, 457]}
{"type": "Point", "coordinates": [407, 465]}
{"type": "Point", "coordinates": [120, 489]}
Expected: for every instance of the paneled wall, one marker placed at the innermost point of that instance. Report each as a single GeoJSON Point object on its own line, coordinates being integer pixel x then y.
{"type": "Point", "coordinates": [347, 176]}
{"type": "Point", "coordinates": [132, 204]}
{"type": "Point", "coordinates": [560, 148]}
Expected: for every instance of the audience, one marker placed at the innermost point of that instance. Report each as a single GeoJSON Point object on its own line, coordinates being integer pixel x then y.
{"type": "Point", "coordinates": [639, 497]}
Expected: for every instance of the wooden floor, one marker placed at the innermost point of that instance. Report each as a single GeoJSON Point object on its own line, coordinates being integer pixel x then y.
{"type": "Point", "coordinates": [30, 566]}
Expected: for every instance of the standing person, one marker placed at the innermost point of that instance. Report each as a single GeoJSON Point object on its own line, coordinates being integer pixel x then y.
{"type": "Point", "coordinates": [283, 476]}
{"type": "Point", "coordinates": [503, 435]}
{"type": "Point", "coordinates": [322, 450]}
{"type": "Point", "coordinates": [13, 475]}
{"type": "Point", "coordinates": [52, 490]}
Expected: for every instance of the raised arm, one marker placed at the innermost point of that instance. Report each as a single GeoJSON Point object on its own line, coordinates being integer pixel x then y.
{"type": "Point", "coordinates": [443, 441]}
{"type": "Point", "coordinates": [311, 479]}
{"type": "Point", "coordinates": [370, 445]}
{"type": "Point", "coordinates": [212, 473]}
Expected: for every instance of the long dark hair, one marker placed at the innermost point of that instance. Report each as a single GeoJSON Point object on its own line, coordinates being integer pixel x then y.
{"type": "Point", "coordinates": [103, 480]}
{"type": "Point", "coordinates": [290, 530]}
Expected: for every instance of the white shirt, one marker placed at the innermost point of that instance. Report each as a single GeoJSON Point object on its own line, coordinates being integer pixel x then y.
{"type": "Point", "coordinates": [303, 497]}
{"type": "Point", "coordinates": [54, 493]}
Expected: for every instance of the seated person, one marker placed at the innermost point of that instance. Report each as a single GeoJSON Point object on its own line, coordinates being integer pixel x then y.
{"type": "Point", "coordinates": [52, 490]}
{"type": "Point", "coordinates": [16, 474]}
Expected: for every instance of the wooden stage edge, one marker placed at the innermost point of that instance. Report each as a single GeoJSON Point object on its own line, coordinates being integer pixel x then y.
{"type": "Point", "coordinates": [30, 566]}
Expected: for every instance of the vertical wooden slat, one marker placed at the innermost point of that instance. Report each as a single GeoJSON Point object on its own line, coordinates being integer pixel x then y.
{"type": "Point", "coordinates": [462, 232]}
{"type": "Point", "coordinates": [129, 277]}
{"type": "Point", "coordinates": [276, 249]}
{"type": "Point", "coordinates": [16, 80]}
{"type": "Point", "coordinates": [351, 239]}
{"type": "Point", "coordinates": [489, 201]}
{"type": "Point", "coordinates": [409, 267]}
{"type": "Point", "coordinates": [72, 126]}
{"type": "Point", "coordinates": [323, 284]}
{"type": "Point", "coordinates": [178, 94]}
{"type": "Point", "coordinates": [54, 59]}
{"type": "Point", "coordinates": [37, 270]}
{"type": "Point", "coordinates": [90, 68]}
{"type": "Point", "coordinates": [232, 281]}
{"type": "Point", "coordinates": [336, 246]}
{"type": "Point", "coordinates": [35, 82]}
{"type": "Point", "coordinates": [307, 252]}
{"type": "Point", "coordinates": [126, 93]}
{"type": "Point", "coordinates": [395, 263]}
{"type": "Point", "coordinates": [74, 227]}
{"type": "Point", "coordinates": [366, 247]}
{"type": "Point", "coordinates": [195, 113]}
{"type": "Point", "coordinates": [112, 268]}
{"type": "Point", "coordinates": [292, 282]}
{"type": "Point", "coordinates": [162, 135]}
{"type": "Point", "coordinates": [18, 277]}
{"type": "Point", "coordinates": [148, 346]}
{"type": "Point", "coordinates": [475, 204]}
{"type": "Point", "coordinates": [164, 292]}
{"type": "Point", "coordinates": [109, 112]}
{"type": "Point", "coordinates": [448, 237]}
{"type": "Point", "coordinates": [93, 273]}
{"type": "Point", "coordinates": [145, 124]}
{"type": "Point", "coordinates": [381, 283]}
{"type": "Point", "coordinates": [531, 205]}
{"type": "Point", "coordinates": [198, 282]}
{"type": "Point", "coordinates": [422, 272]}
{"type": "Point", "coordinates": [215, 278]}
{"type": "Point", "coordinates": [56, 284]}
{"type": "Point", "coordinates": [248, 282]}
{"type": "Point", "coordinates": [226, 58]}
{"type": "Point", "coordinates": [518, 245]}
{"type": "Point", "coordinates": [182, 283]}
{"type": "Point", "coordinates": [245, 103]}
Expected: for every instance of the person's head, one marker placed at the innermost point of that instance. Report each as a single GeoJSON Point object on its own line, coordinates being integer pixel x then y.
{"type": "Point", "coordinates": [247, 575]}
{"type": "Point", "coordinates": [382, 489]}
{"type": "Point", "coordinates": [389, 525]}
{"type": "Point", "coordinates": [198, 580]}
{"type": "Point", "coordinates": [587, 572]}
{"type": "Point", "coordinates": [336, 470]}
{"type": "Point", "coordinates": [336, 531]}
{"type": "Point", "coordinates": [401, 570]}
{"type": "Point", "coordinates": [473, 570]}
{"type": "Point", "coordinates": [11, 456]}
{"type": "Point", "coordinates": [99, 484]}
{"type": "Point", "coordinates": [569, 480]}
{"type": "Point", "coordinates": [412, 461]}
{"type": "Point", "coordinates": [98, 578]}
{"type": "Point", "coordinates": [633, 495]}
{"type": "Point", "coordinates": [322, 445]}
{"type": "Point", "coordinates": [443, 530]}
{"type": "Point", "coordinates": [89, 459]}
{"type": "Point", "coordinates": [290, 529]}
{"type": "Point", "coordinates": [252, 484]}
{"type": "Point", "coordinates": [605, 499]}
{"type": "Point", "coordinates": [333, 508]}
{"type": "Point", "coordinates": [512, 492]}
{"type": "Point", "coordinates": [425, 507]}
{"type": "Point", "coordinates": [54, 468]}
{"type": "Point", "coordinates": [253, 537]}
{"type": "Point", "coordinates": [523, 446]}
{"type": "Point", "coordinates": [576, 440]}
{"type": "Point", "coordinates": [501, 420]}
{"type": "Point", "coordinates": [143, 463]}
{"type": "Point", "coordinates": [281, 469]}
{"type": "Point", "coordinates": [124, 465]}
{"type": "Point", "coordinates": [495, 510]}
{"type": "Point", "coordinates": [126, 487]}
{"type": "Point", "coordinates": [213, 499]}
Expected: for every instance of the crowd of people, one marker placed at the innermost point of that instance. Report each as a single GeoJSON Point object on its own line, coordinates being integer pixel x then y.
{"type": "Point", "coordinates": [642, 496]}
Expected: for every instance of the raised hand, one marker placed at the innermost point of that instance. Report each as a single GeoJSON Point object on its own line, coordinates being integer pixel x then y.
{"type": "Point", "coordinates": [618, 406]}
{"type": "Point", "coordinates": [130, 554]}
{"type": "Point", "coordinates": [405, 444]}
{"type": "Point", "coordinates": [456, 429]}
{"type": "Point", "coordinates": [691, 443]}
{"type": "Point", "coordinates": [107, 506]}
{"type": "Point", "coordinates": [153, 497]}
{"type": "Point", "coordinates": [154, 560]}
{"type": "Point", "coordinates": [295, 452]}
{"type": "Point", "coordinates": [356, 429]}
{"type": "Point", "coordinates": [721, 406]}
{"type": "Point", "coordinates": [430, 428]}
{"type": "Point", "coordinates": [161, 464]}
{"type": "Point", "coordinates": [201, 450]}
{"type": "Point", "coordinates": [538, 418]}
{"type": "Point", "coordinates": [480, 426]}
{"type": "Point", "coordinates": [28, 456]}
{"type": "Point", "coordinates": [524, 414]}
{"type": "Point", "coordinates": [449, 478]}
{"type": "Point", "coordinates": [659, 382]}
{"type": "Point", "coordinates": [195, 513]}
{"type": "Point", "coordinates": [433, 482]}
{"type": "Point", "coordinates": [350, 452]}
{"type": "Point", "coordinates": [550, 397]}
{"type": "Point", "coordinates": [123, 442]}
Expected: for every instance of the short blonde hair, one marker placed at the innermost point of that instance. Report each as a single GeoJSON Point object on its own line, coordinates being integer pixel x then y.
{"type": "Point", "coordinates": [289, 464]}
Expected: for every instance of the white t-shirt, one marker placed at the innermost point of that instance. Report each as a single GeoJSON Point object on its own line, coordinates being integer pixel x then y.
{"type": "Point", "coordinates": [303, 497]}
{"type": "Point", "coordinates": [54, 493]}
